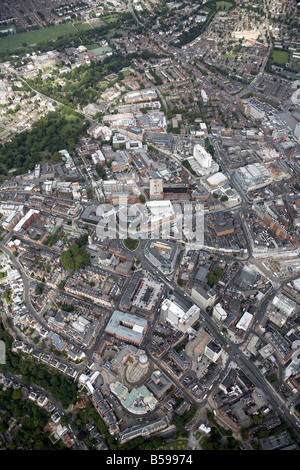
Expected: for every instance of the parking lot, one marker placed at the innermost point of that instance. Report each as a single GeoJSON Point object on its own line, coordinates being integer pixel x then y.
{"type": "Point", "coordinates": [148, 293]}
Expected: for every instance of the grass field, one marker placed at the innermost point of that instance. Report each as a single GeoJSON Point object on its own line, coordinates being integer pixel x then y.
{"type": "Point", "coordinates": [224, 5]}
{"type": "Point", "coordinates": [110, 18]}
{"type": "Point", "coordinates": [83, 26]}
{"type": "Point", "coordinates": [71, 118]}
{"type": "Point", "coordinates": [33, 37]}
{"type": "Point", "coordinates": [126, 73]}
{"type": "Point", "coordinates": [1, 129]}
{"type": "Point", "coordinates": [280, 57]}
{"type": "Point", "coordinates": [229, 56]}
{"type": "Point", "coordinates": [90, 47]}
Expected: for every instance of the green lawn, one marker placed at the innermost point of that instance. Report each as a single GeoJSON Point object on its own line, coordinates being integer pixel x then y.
{"type": "Point", "coordinates": [110, 18]}
{"type": "Point", "coordinates": [229, 56]}
{"type": "Point", "coordinates": [71, 118]}
{"type": "Point", "coordinates": [131, 243]}
{"type": "Point", "coordinates": [224, 5]}
{"type": "Point", "coordinates": [280, 57]}
{"type": "Point", "coordinates": [1, 129]}
{"type": "Point", "coordinates": [90, 47]}
{"type": "Point", "coordinates": [83, 26]}
{"type": "Point", "coordinates": [33, 37]}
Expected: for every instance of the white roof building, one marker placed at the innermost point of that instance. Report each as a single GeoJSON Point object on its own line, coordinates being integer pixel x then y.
{"type": "Point", "coordinates": [179, 318]}
{"type": "Point", "coordinates": [253, 176]}
{"type": "Point", "coordinates": [88, 380]}
{"type": "Point", "coordinates": [202, 156]}
{"type": "Point", "coordinates": [217, 179]}
{"type": "Point", "coordinates": [285, 304]}
{"type": "Point", "coordinates": [219, 313]}
{"type": "Point", "coordinates": [244, 322]}
{"type": "Point", "coordinates": [24, 219]}
{"type": "Point", "coordinates": [204, 428]}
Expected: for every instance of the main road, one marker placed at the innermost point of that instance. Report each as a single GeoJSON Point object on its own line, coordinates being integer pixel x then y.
{"type": "Point", "coordinates": [130, 8]}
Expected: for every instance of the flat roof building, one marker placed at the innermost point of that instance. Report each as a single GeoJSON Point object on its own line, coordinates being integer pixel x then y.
{"type": "Point", "coordinates": [212, 351]}
{"type": "Point", "coordinates": [244, 322]}
{"type": "Point", "coordinates": [203, 297]}
{"type": "Point", "coordinates": [202, 156]}
{"type": "Point", "coordinates": [285, 304]}
{"type": "Point", "coordinates": [216, 179]}
{"type": "Point", "coordinates": [127, 327]}
{"type": "Point", "coordinates": [143, 430]}
{"type": "Point", "coordinates": [156, 189]}
{"type": "Point", "coordinates": [90, 215]}
{"type": "Point", "coordinates": [179, 318]}
{"type": "Point", "coordinates": [159, 383]}
{"type": "Point", "coordinates": [253, 176]}
{"type": "Point", "coordinates": [222, 225]}
{"type": "Point", "coordinates": [219, 313]}
{"type": "Point", "coordinates": [162, 254]}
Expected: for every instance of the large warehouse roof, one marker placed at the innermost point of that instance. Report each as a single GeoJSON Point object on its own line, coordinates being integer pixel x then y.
{"type": "Point", "coordinates": [216, 179]}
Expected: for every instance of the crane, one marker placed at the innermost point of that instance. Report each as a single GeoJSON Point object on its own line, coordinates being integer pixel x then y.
{"type": "Point", "coordinates": [271, 144]}
{"type": "Point", "coordinates": [278, 161]}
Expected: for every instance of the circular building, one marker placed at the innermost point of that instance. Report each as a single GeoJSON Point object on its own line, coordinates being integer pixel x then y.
{"type": "Point", "coordinates": [143, 361]}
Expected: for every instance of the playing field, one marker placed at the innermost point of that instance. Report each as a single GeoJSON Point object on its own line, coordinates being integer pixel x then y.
{"type": "Point", "coordinates": [83, 26]}
{"type": "Point", "coordinates": [33, 37]}
{"type": "Point", "coordinates": [90, 47]}
{"type": "Point", "coordinates": [280, 57]}
{"type": "Point", "coordinates": [100, 50]}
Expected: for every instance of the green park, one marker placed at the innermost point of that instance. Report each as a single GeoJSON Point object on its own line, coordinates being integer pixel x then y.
{"type": "Point", "coordinates": [45, 34]}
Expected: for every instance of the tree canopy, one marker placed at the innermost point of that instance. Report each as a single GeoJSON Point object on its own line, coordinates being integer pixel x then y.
{"type": "Point", "coordinates": [57, 130]}
{"type": "Point", "coordinates": [75, 258]}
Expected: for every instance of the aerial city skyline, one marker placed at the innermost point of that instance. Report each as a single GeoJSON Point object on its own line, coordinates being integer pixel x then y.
{"type": "Point", "coordinates": [149, 227]}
